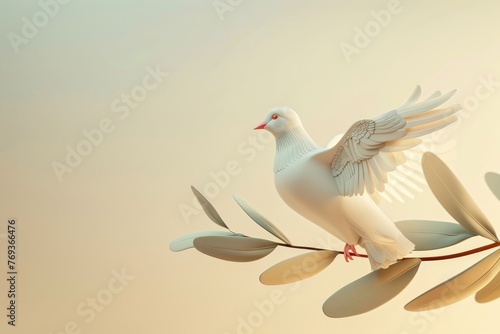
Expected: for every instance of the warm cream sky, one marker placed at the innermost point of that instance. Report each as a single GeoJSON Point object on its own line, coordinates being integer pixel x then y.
{"type": "Point", "coordinates": [118, 208]}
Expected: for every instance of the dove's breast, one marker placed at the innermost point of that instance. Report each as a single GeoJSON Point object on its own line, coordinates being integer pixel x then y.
{"type": "Point", "coordinates": [307, 187]}
{"type": "Point", "coordinates": [305, 179]}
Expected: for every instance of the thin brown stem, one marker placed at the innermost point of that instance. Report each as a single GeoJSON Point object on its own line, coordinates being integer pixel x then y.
{"type": "Point", "coordinates": [453, 256]}
{"type": "Point", "coordinates": [304, 247]}
{"type": "Point", "coordinates": [425, 258]}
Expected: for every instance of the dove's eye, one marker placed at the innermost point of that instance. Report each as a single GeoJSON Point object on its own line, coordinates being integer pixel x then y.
{"type": "Point", "coordinates": [274, 116]}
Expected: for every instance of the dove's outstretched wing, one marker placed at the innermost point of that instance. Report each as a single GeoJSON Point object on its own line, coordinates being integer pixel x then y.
{"type": "Point", "coordinates": [404, 182]}
{"type": "Point", "coordinates": [373, 147]}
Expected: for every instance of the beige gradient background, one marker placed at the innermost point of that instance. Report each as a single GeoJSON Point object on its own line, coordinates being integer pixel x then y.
{"type": "Point", "coordinates": [120, 207]}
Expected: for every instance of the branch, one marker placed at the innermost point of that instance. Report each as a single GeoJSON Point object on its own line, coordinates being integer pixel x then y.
{"type": "Point", "coordinates": [425, 258]}
{"type": "Point", "coordinates": [461, 254]}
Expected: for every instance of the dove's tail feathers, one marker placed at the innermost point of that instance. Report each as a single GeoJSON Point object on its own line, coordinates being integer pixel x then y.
{"type": "Point", "coordinates": [382, 255]}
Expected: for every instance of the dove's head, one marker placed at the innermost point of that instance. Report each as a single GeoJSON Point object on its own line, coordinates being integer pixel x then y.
{"type": "Point", "coordinates": [280, 120]}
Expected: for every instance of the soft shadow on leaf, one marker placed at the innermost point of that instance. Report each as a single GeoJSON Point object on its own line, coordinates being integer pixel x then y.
{"type": "Point", "coordinates": [208, 208]}
{"type": "Point", "coordinates": [493, 181]}
{"type": "Point", "coordinates": [261, 220]}
{"type": "Point", "coordinates": [186, 241]}
{"type": "Point", "coordinates": [454, 197]}
{"type": "Point", "coordinates": [372, 290]}
{"type": "Point", "coordinates": [490, 292]}
{"type": "Point", "coordinates": [298, 268]}
{"type": "Point", "coordinates": [458, 287]}
{"type": "Point", "coordinates": [237, 249]}
{"type": "Point", "coordinates": [429, 235]}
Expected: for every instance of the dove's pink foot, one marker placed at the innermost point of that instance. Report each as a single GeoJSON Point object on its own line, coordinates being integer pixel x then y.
{"type": "Point", "coordinates": [347, 255]}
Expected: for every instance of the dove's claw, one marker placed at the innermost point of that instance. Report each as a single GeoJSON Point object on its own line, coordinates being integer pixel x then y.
{"type": "Point", "coordinates": [347, 254]}
{"type": "Point", "coordinates": [353, 248]}
{"type": "Point", "coordinates": [347, 257]}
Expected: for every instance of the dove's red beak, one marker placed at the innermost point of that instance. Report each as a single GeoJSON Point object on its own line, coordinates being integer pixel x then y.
{"type": "Point", "coordinates": [260, 126]}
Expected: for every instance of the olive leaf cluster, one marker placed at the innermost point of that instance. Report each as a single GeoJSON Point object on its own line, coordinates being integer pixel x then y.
{"type": "Point", "coordinates": [382, 285]}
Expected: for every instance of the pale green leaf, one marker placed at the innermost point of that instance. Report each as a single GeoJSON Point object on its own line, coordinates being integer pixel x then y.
{"type": "Point", "coordinates": [298, 268]}
{"type": "Point", "coordinates": [429, 235]}
{"type": "Point", "coordinates": [186, 241]}
{"type": "Point", "coordinates": [454, 197]}
{"type": "Point", "coordinates": [458, 287]}
{"type": "Point", "coordinates": [208, 208]}
{"type": "Point", "coordinates": [261, 220]}
{"type": "Point", "coordinates": [493, 181]}
{"type": "Point", "coordinates": [490, 292]}
{"type": "Point", "coordinates": [238, 249]}
{"type": "Point", "coordinates": [372, 290]}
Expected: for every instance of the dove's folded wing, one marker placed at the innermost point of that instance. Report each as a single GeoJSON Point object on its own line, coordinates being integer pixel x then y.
{"type": "Point", "coordinates": [371, 148]}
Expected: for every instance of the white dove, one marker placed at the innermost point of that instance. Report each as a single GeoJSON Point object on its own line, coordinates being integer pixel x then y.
{"type": "Point", "coordinates": [331, 186]}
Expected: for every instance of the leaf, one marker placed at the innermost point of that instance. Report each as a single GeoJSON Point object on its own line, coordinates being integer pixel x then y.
{"type": "Point", "coordinates": [428, 235]}
{"type": "Point", "coordinates": [238, 249]}
{"type": "Point", "coordinates": [261, 220]}
{"type": "Point", "coordinates": [298, 268]}
{"type": "Point", "coordinates": [454, 197]}
{"type": "Point", "coordinates": [186, 241]}
{"type": "Point", "coordinates": [208, 208]}
{"type": "Point", "coordinates": [493, 181]}
{"type": "Point", "coordinates": [458, 287]}
{"type": "Point", "coordinates": [490, 292]}
{"type": "Point", "coordinates": [372, 290]}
